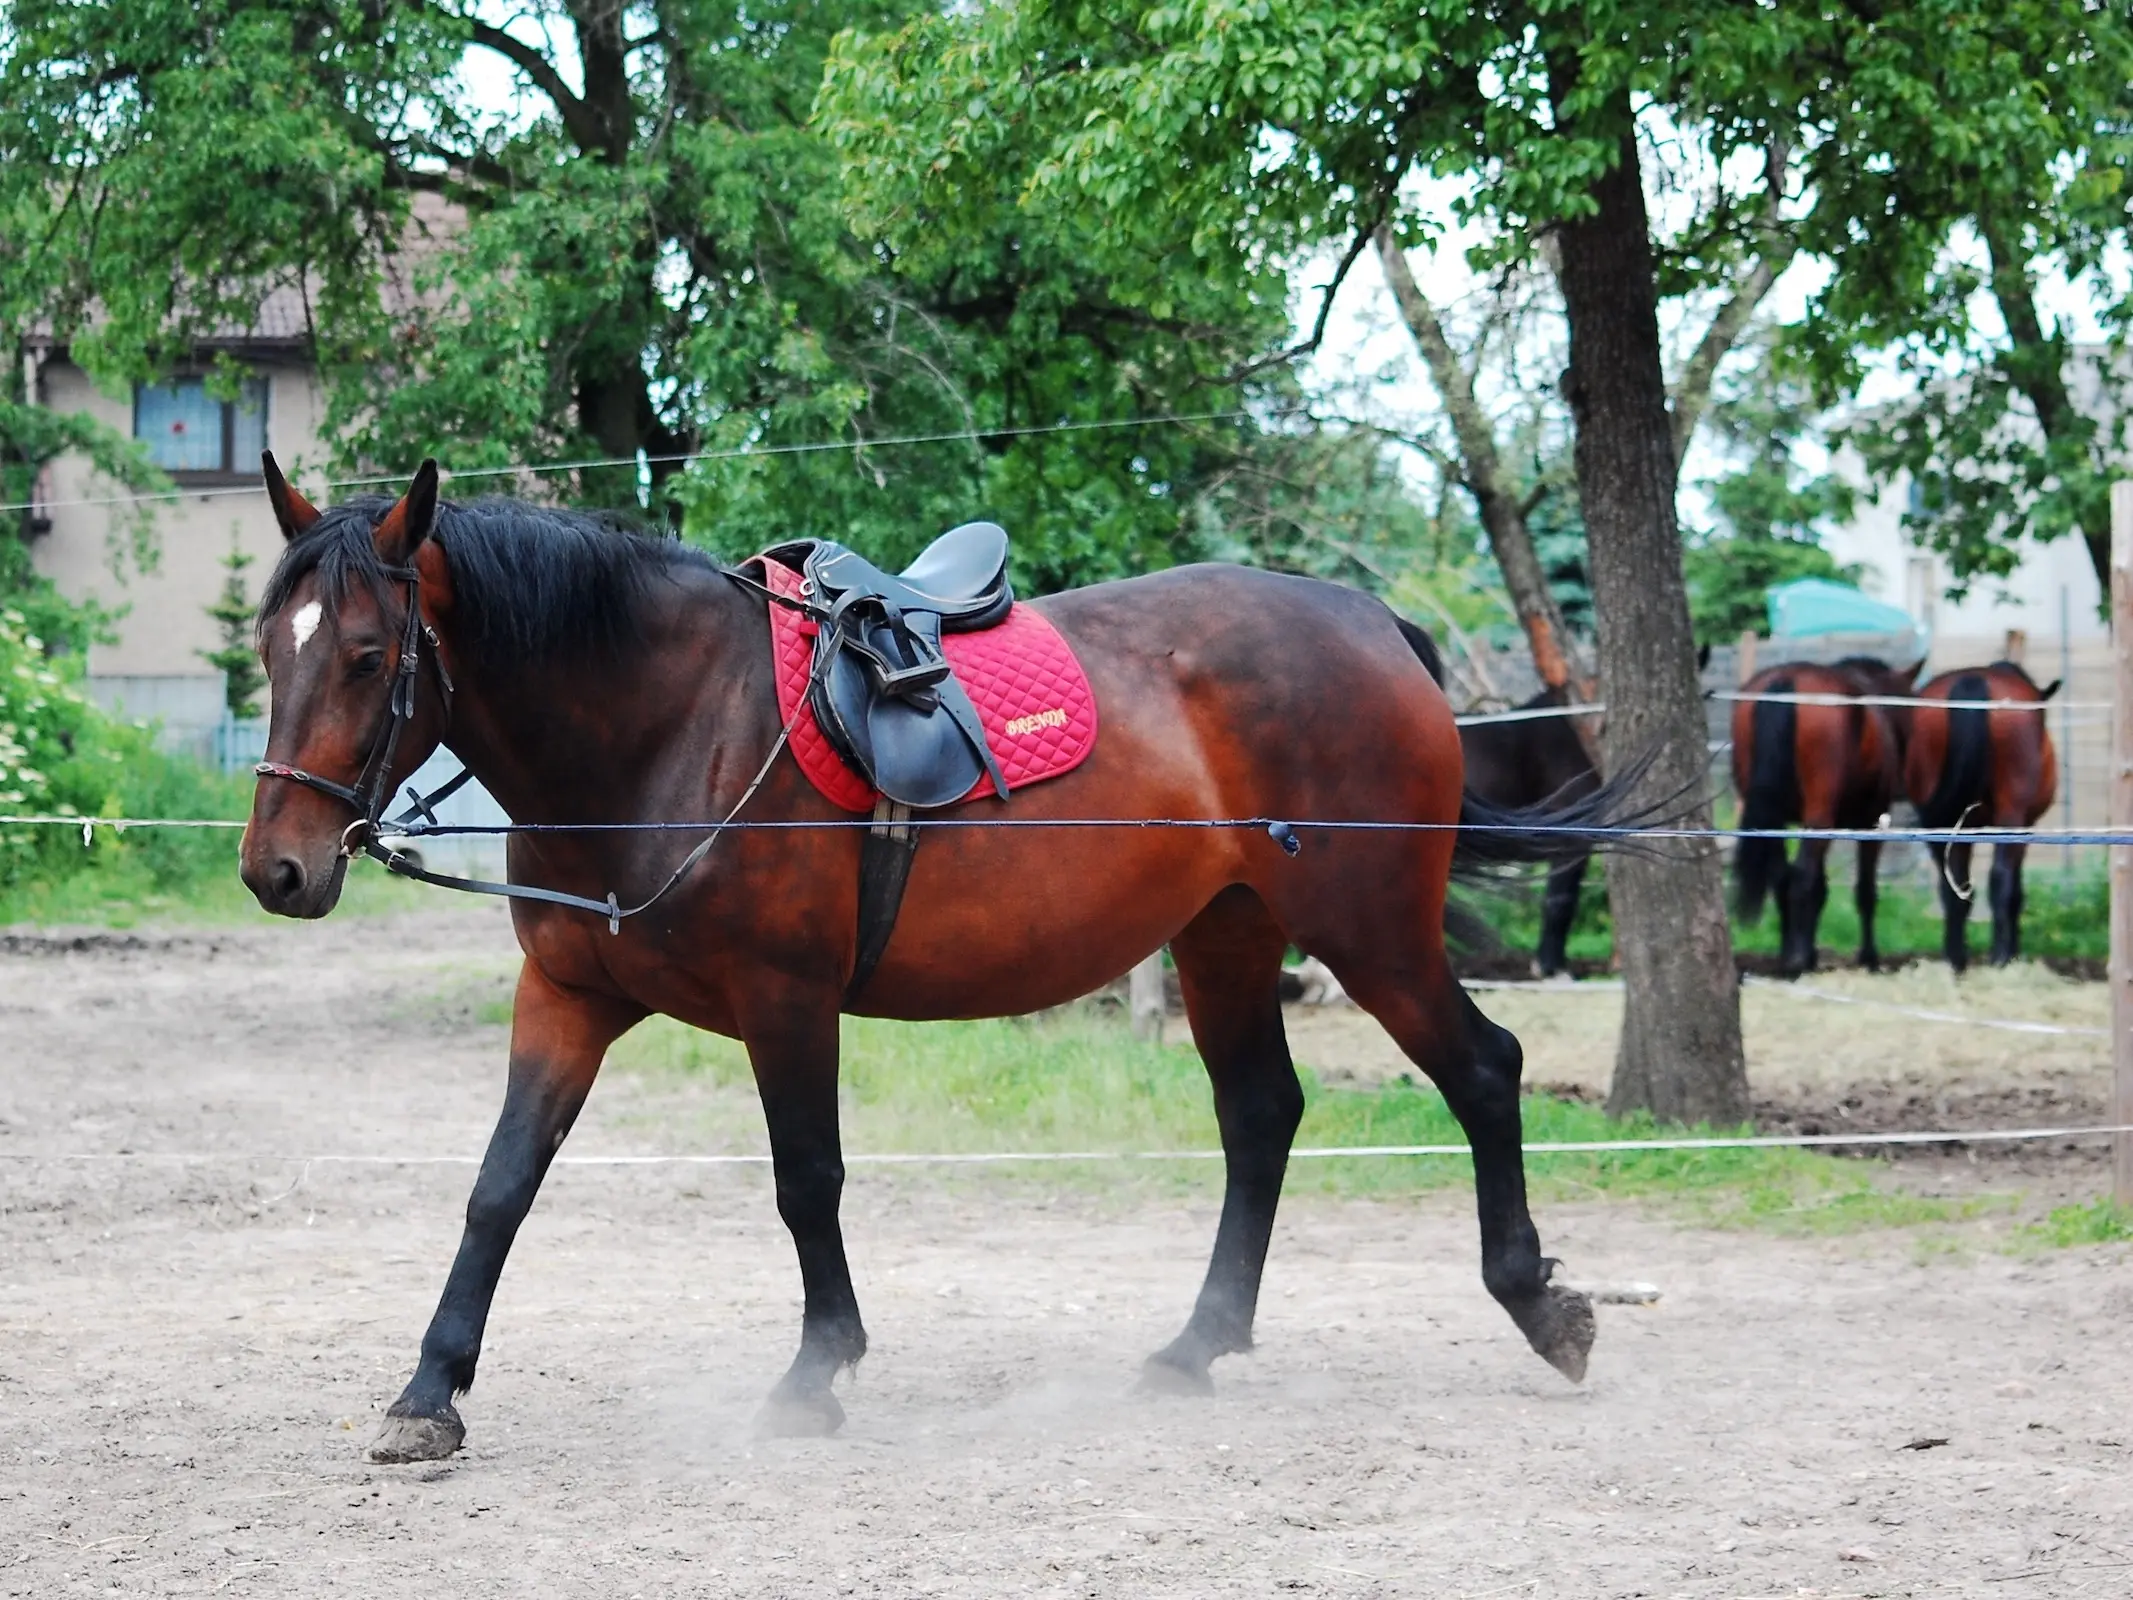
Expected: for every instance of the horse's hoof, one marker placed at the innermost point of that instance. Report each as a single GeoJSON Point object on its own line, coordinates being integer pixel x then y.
{"type": "Point", "coordinates": [1164, 1373]}
{"type": "Point", "coordinates": [1558, 1323]}
{"type": "Point", "coordinates": [405, 1439]}
{"type": "Point", "coordinates": [799, 1416]}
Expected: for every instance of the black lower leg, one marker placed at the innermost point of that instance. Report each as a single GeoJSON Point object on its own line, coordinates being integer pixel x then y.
{"type": "Point", "coordinates": [1952, 863]}
{"type": "Point", "coordinates": [796, 1072]}
{"type": "Point", "coordinates": [1228, 965]}
{"type": "Point", "coordinates": [557, 1043]}
{"type": "Point", "coordinates": [1259, 1104]}
{"type": "Point", "coordinates": [1806, 889]}
{"type": "Point", "coordinates": [2006, 903]}
{"type": "Point", "coordinates": [1864, 896]}
{"type": "Point", "coordinates": [1557, 1322]}
{"type": "Point", "coordinates": [1559, 910]}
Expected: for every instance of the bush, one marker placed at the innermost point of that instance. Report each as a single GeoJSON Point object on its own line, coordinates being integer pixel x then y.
{"type": "Point", "coordinates": [60, 756]}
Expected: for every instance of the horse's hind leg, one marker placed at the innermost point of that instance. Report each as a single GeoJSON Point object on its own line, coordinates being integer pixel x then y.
{"type": "Point", "coordinates": [1229, 966]}
{"type": "Point", "coordinates": [1864, 896]}
{"type": "Point", "coordinates": [2007, 902]}
{"type": "Point", "coordinates": [1806, 890]}
{"type": "Point", "coordinates": [1951, 865]}
{"type": "Point", "coordinates": [1559, 909]}
{"type": "Point", "coordinates": [1476, 1066]}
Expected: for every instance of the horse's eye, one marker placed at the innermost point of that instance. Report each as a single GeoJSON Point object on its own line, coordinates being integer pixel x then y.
{"type": "Point", "coordinates": [368, 664]}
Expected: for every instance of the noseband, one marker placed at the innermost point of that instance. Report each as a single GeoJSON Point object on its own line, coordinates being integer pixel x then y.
{"type": "Point", "coordinates": [367, 796]}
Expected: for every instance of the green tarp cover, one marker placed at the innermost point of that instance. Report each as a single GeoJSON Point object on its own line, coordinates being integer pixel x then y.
{"type": "Point", "coordinates": [1812, 606]}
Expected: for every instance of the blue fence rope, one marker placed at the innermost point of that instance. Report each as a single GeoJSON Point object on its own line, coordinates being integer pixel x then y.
{"type": "Point", "coordinates": [1277, 827]}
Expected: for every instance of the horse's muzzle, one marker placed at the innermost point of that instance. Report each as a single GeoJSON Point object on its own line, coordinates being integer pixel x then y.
{"type": "Point", "coordinates": [288, 887]}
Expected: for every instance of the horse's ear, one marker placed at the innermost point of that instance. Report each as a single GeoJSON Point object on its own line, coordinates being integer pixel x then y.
{"type": "Point", "coordinates": [1917, 671]}
{"type": "Point", "coordinates": [400, 532]}
{"type": "Point", "coordinates": [2050, 689]}
{"type": "Point", "coordinates": [1703, 658]}
{"type": "Point", "coordinates": [291, 510]}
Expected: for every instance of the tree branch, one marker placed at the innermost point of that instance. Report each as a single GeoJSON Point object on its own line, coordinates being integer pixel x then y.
{"type": "Point", "coordinates": [577, 116]}
{"type": "Point", "coordinates": [1692, 393]}
{"type": "Point", "coordinates": [1310, 346]}
{"type": "Point", "coordinates": [1502, 515]}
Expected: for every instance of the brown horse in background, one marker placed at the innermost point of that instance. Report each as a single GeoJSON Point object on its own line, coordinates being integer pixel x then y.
{"type": "Point", "coordinates": [1822, 766]}
{"type": "Point", "coordinates": [1968, 766]}
{"type": "Point", "coordinates": [588, 676]}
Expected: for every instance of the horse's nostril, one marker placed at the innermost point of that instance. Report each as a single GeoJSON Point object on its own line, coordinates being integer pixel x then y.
{"type": "Point", "coordinates": [288, 879]}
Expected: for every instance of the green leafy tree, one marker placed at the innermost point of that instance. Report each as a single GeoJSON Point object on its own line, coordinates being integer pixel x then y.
{"type": "Point", "coordinates": [1771, 514]}
{"type": "Point", "coordinates": [238, 657]}
{"type": "Point", "coordinates": [647, 257]}
{"type": "Point", "coordinates": [2009, 432]}
{"type": "Point", "coordinates": [1229, 140]}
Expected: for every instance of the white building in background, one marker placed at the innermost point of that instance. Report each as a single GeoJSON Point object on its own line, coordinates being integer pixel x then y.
{"type": "Point", "coordinates": [2054, 592]}
{"type": "Point", "coordinates": [153, 667]}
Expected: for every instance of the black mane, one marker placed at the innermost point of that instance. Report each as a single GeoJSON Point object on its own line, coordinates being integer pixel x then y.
{"type": "Point", "coordinates": [530, 584]}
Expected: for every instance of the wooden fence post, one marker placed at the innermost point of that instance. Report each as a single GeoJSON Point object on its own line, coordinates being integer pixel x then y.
{"type": "Point", "coordinates": [2122, 855]}
{"type": "Point", "coordinates": [1146, 1002]}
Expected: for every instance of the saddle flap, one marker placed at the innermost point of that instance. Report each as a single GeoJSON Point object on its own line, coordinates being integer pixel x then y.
{"type": "Point", "coordinates": [918, 757]}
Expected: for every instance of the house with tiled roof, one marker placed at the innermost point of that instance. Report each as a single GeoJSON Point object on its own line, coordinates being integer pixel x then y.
{"type": "Point", "coordinates": [209, 446]}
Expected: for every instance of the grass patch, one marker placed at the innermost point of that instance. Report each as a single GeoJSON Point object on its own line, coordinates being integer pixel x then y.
{"type": "Point", "coordinates": [2063, 918]}
{"type": "Point", "coordinates": [1075, 1080]}
{"type": "Point", "coordinates": [2099, 1222]}
{"type": "Point", "coordinates": [137, 879]}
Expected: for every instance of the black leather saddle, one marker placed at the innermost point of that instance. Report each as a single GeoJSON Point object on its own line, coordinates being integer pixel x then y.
{"type": "Point", "coordinates": [882, 691]}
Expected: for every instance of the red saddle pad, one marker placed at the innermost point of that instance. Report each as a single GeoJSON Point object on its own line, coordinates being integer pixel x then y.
{"type": "Point", "coordinates": [1033, 698]}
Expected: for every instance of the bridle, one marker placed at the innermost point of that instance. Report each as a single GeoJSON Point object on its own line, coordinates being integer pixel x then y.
{"type": "Point", "coordinates": [367, 797]}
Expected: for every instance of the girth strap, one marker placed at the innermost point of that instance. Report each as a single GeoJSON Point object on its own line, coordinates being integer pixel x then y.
{"type": "Point", "coordinates": [884, 869]}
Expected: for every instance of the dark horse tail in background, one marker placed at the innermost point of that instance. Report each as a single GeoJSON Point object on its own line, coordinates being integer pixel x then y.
{"type": "Point", "coordinates": [1823, 766]}
{"type": "Point", "coordinates": [1969, 766]}
{"type": "Point", "coordinates": [587, 676]}
{"type": "Point", "coordinates": [1537, 764]}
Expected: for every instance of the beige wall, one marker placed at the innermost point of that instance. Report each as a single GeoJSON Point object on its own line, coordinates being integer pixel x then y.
{"type": "Point", "coordinates": [166, 623]}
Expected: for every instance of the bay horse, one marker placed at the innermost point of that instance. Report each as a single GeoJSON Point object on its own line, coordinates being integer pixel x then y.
{"type": "Point", "coordinates": [1991, 769]}
{"type": "Point", "coordinates": [1822, 766]}
{"type": "Point", "coordinates": [1537, 763]}
{"type": "Point", "coordinates": [589, 675]}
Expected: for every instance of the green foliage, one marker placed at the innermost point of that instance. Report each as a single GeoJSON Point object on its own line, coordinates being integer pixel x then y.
{"type": "Point", "coordinates": [648, 257]}
{"type": "Point", "coordinates": [238, 660]}
{"type": "Point", "coordinates": [61, 756]}
{"type": "Point", "coordinates": [1222, 141]}
{"type": "Point", "coordinates": [2098, 1222]}
{"type": "Point", "coordinates": [1074, 1081]}
{"type": "Point", "coordinates": [1772, 514]}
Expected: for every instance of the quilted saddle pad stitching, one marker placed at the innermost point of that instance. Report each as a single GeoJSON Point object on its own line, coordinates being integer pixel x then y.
{"type": "Point", "coordinates": [1020, 674]}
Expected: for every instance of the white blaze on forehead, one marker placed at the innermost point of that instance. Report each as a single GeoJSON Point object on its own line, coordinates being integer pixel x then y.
{"type": "Point", "coordinates": [304, 624]}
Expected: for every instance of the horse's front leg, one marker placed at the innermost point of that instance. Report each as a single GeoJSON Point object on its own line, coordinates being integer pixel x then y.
{"type": "Point", "coordinates": [791, 1036]}
{"type": "Point", "coordinates": [558, 1038]}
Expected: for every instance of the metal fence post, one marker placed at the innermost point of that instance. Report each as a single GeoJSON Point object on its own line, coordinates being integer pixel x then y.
{"type": "Point", "coordinates": [2122, 855]}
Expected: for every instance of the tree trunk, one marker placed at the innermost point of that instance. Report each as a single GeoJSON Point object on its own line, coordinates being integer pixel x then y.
{"type": "Point", "coordinates": [1502, 514]}
{"type": "Point", "coordinates": [1680, 1054]}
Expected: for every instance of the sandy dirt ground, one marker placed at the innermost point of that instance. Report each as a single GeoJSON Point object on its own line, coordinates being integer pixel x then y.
{"type": "Point", "coordinates": [192, 1356]}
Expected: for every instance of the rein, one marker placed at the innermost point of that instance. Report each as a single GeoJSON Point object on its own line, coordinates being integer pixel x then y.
{"type": "Point", "coordinates": [367, 797]}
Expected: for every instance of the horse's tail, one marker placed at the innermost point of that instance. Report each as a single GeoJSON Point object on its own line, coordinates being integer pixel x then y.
{"type": "Point", "coordinates": [1555, 830]}
{"type": "Point", "coordinates": [1966, 760]}
{"type": "Point", "coordinates": [1773, 797]}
